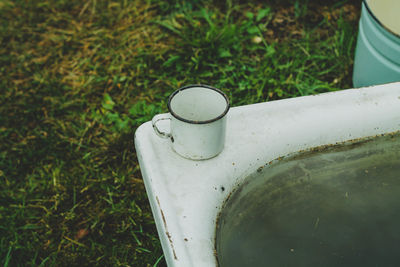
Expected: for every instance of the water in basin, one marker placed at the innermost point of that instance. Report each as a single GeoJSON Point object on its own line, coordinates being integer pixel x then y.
{"type": "Point", "coordinates": [332, 206]}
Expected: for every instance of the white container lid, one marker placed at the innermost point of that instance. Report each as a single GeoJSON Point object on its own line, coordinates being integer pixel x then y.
{"type": "Point", "coordinates": [387, 13]}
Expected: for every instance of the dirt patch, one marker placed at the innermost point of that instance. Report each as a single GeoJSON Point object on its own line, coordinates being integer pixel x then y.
{"type": "Point", "coordinates": [290, 21]}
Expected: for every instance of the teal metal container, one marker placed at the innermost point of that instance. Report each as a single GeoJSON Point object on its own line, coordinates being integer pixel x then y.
{"type": "Point", "coordinates": [377, 58]}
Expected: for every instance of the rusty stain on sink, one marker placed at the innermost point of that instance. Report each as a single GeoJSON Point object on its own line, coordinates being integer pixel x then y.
{"type": "Point", "coordinates": [166, 229]}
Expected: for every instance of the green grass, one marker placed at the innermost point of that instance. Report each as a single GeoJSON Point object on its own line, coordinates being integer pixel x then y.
{"type": "Point", "coordinates": [77, 79]}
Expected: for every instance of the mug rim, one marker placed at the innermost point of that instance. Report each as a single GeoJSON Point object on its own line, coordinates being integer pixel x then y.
{"type": "Point", "coordinates": [202, 86]}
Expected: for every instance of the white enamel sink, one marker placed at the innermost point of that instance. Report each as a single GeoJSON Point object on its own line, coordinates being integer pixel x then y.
{"type": "Point", "coordinates": [186, 196]}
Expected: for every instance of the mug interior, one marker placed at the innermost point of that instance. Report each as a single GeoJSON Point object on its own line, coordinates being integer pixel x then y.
{"type": "Point", "coordinates": [198, 104]}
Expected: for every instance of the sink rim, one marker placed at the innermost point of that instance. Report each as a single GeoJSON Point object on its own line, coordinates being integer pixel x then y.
{"type": "Point", "coordinates": [185, 207]}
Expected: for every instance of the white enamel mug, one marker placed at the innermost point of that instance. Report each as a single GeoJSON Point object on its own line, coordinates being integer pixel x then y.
{"type": "Point", "coordinates": [197, 115]}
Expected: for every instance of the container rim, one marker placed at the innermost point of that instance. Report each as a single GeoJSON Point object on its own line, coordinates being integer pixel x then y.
{"type": "Point", "coordinates": [378, 21]}
{"type": "Point", "coordinates": [202, 86]}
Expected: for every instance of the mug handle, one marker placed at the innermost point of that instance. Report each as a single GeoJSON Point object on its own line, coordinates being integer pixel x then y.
{"type": "Point", "coordinates": [157, 118]}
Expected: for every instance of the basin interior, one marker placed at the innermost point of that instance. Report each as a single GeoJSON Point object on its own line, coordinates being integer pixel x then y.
{"type": "Point", "coordinates": [335, 205]}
